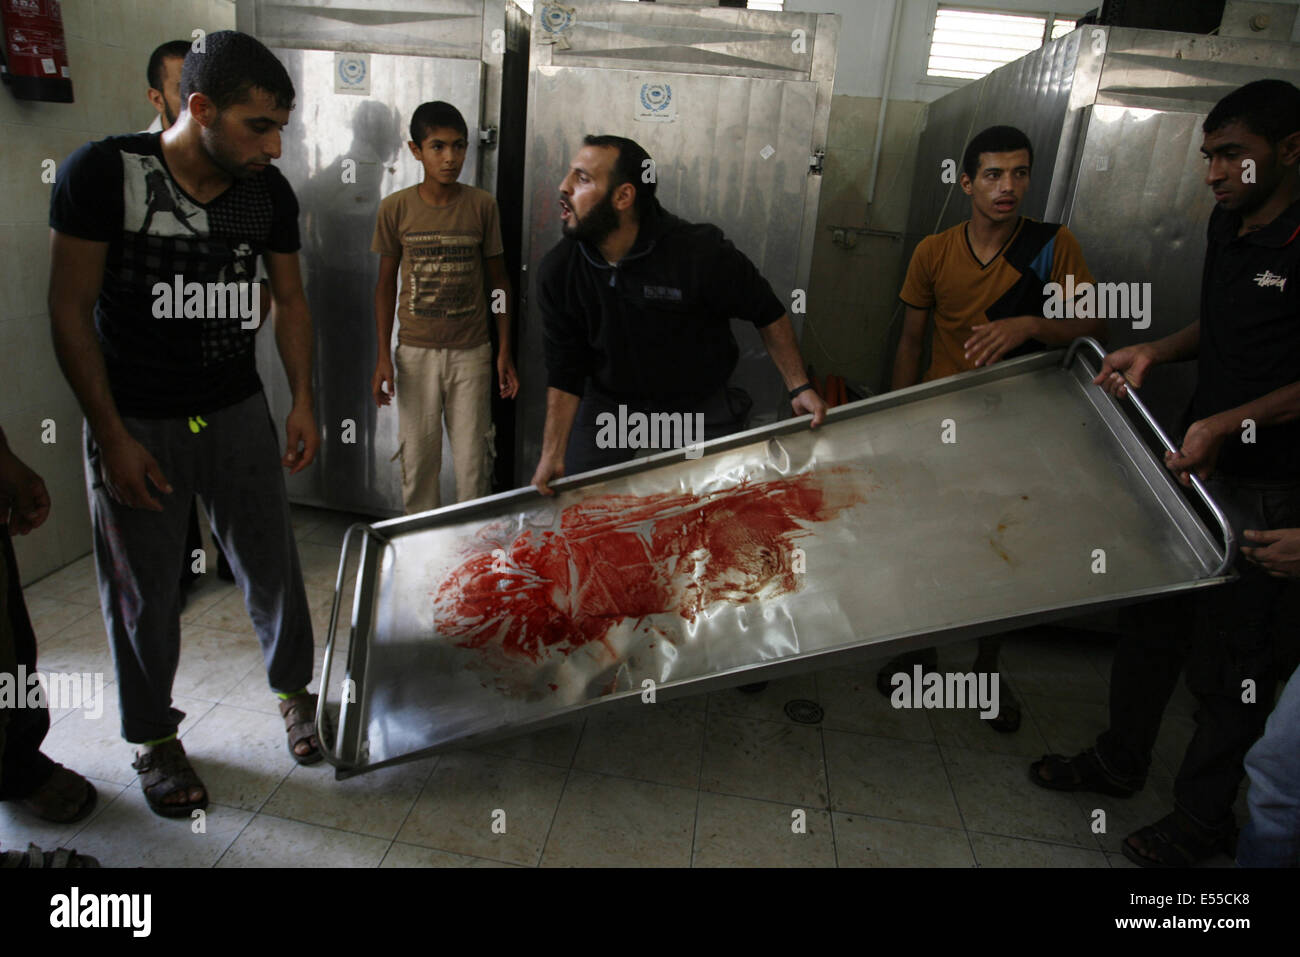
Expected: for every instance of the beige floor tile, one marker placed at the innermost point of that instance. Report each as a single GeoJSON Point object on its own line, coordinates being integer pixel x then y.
{"type": "Point", "coordinates": [696, 702]}
{"type": "Point", "coordinates": [94, 746]}
{"type": "Point", "coordinates": [872, 842]}
{"type": "Point", "coordinates": [853, 703]}
{"type": "Point", "coordinates": [68, 581]}
{"type": "Point", "coordinates": [767, 760]}
{"type": "Point", "coordinates": [549, 746]}
{"type": "Point", "coordinates": [885, 777]}
{"type": "Point", "coordinates": [129, 834]}
{"type": "Point", "coordinates": [739, 832]}
{"type": "Point", "coordinates": [1067, 727]}
{"type": "Point", "coordinates": [456, 810]}
{"type": "Point", "coordinates": [49, 616]}
{"type": "Point", "coordinates": [992, 850]}
{"type": "Point", "coordinates": [612, 822]}
{"type": "Point", "coordinates": [18, 827]}
{"type": "Point", "coordinates": [409, 855]}
{"type": "Point", "coordinates": [228, 613]}
{"type": "Point", "coordinates": [252, 691]}
{"type": "Point", "coordinates": [768, 703]}
{"type": "Point", "coordinates": [996, 797]}
{"type": "Point", "coordinates": [204, 594]}
{"type": "Point", "coordinates": [305, 518]}
{"type": "Point", "coordinates": [330, 528]}
{"type": "Point", "coordinates": [213, 661]}
{"type": "Point", "coordinates": [85, 699]}
{"type": "Point", "coordinates": [320, 564]}
{"type": "Point", "coordinates": [273, 842]}
{"type": "Point", "coordinates": [81, 647]}
{"type": "Point", "coordinates": [241, 756]}
{"type": "Point", "coordinates": [662, 743]}
{"type": "Point", "coordinates": [375, 803]}
{"type": "Point", "coordinates": [966, 729]}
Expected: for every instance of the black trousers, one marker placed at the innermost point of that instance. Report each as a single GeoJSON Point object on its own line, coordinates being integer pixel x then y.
{"type": "Point", "coordinates": [23, 768]}
{"type": "Point", "coordinates": [1223, 637]}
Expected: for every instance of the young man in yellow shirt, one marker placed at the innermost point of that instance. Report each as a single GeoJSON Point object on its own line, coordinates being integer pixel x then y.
{"type": "Point", "coordinates": [983, 284]}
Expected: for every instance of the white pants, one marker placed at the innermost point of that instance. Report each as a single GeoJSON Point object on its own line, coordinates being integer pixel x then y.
{"type": "Point", "coordinates": [431, 383]}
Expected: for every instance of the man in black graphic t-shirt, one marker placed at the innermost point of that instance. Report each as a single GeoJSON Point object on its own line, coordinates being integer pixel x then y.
{"type": "Point", "coordinates": [155, 239]}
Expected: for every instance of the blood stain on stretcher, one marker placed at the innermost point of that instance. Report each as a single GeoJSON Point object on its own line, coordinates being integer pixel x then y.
{"type": "Point", "coordinates": [625, 558]}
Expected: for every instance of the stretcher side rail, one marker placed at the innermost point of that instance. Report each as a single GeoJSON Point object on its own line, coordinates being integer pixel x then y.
{"type": "Point", "coordinates": [1131, 395]}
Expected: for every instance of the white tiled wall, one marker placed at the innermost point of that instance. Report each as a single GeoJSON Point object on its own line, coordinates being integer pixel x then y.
{"type": "Point", "coordinates": [109, 42]}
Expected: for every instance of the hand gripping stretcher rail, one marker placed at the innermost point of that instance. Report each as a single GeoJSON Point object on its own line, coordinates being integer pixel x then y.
{"type": "Point", "coordinates": [988, 501]}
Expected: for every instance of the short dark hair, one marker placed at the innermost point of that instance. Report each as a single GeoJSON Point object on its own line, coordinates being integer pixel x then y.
{"type": "Point", "coordinates": [436, 115]}
{"type": "Point", "coordinates": [231, 64]}
{"type": "Point", "coordinates": [996, 139]}
{"type": "Point", "coordinates": [1268, 108]}
{"type": "Point", "coordinates": [171, 50]}
{"type": "Point", "coordinates": [630, 167]}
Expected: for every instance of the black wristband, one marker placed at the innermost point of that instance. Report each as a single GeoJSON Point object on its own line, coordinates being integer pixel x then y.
{"type": "Point", "coordinates": [803, 388]}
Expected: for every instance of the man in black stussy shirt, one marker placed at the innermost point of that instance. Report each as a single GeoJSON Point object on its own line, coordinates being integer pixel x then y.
{"type": "Point", "coordinates": [637, 305]}
{"type": "Point", "coordinates": [1243, 438]}
{"type": "Point", "coordinates": [169, 387]}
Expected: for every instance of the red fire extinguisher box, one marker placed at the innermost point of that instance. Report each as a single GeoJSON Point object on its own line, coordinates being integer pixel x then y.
{"type": "Point", "coordinates": [35, 52]}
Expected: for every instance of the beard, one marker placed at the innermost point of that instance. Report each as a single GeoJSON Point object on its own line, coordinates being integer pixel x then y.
{"type": "Point", "coordinates": [596, 225]}
{"type": "Point", "coordinates": [168, 115]}
{"type": "Point", "coordinates": [221, 154]}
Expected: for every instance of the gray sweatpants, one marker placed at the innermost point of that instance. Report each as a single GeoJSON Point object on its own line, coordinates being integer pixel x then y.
{"type": "Point", "coordinates": [234, 464]}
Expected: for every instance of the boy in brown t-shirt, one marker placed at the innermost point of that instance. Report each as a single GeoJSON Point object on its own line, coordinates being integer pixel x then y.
{"type": "Point", "coordinates": [984, 279]}
{"type": "Point", "coordinates": [445, 236]}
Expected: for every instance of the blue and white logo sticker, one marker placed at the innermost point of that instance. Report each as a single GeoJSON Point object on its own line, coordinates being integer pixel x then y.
{"type": "Point", "coordinates": [655, 104]}
{"type": "Point", "coordinates": [352, 73]}
{"type": "Point", "coordinates": [555, 18]}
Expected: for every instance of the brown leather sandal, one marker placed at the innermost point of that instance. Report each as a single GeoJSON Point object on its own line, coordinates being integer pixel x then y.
{"type": "Point", "coordinates": [299, 713]}
{"type": "Point", "coordinates": [64, 798]}
{"type": "Point", "coordinates": [164, 770]}
{"type": "Point", "coordinates": [35, 859]}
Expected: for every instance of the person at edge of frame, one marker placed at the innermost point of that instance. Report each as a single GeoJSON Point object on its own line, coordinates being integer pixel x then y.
{"type": "Point", "coordinates": [1271, 837]}
{"type": "Point", "coordinates": [636, 305]}
{"type": "Point", "coordinates": [42, 787]}
{"type": "Point", "coordinates": [174, 406]}
{"type": "Point", "coordinates": [1242, 437]}
{"type": "Point", "coordinates": [164, 93]}
{"type": "Point", "coordinates": [446, 237]}
{"type": "Point", "coordinates": [980, 286]}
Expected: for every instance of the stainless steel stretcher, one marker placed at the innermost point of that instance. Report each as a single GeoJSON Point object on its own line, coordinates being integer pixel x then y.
{"type": "Point", "coordinates": [1003, 497]}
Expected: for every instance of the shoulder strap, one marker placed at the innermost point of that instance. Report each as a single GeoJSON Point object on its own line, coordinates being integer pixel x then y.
{"type": "Point", "coordinates": [1034, 248]}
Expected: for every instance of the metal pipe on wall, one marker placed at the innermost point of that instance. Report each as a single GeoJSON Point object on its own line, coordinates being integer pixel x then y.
{"type": "Point", "coordinates": [897, 19]}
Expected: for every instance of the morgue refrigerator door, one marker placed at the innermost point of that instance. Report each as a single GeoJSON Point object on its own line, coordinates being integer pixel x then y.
{"type": "Point", "coordinates": [343, 150]}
